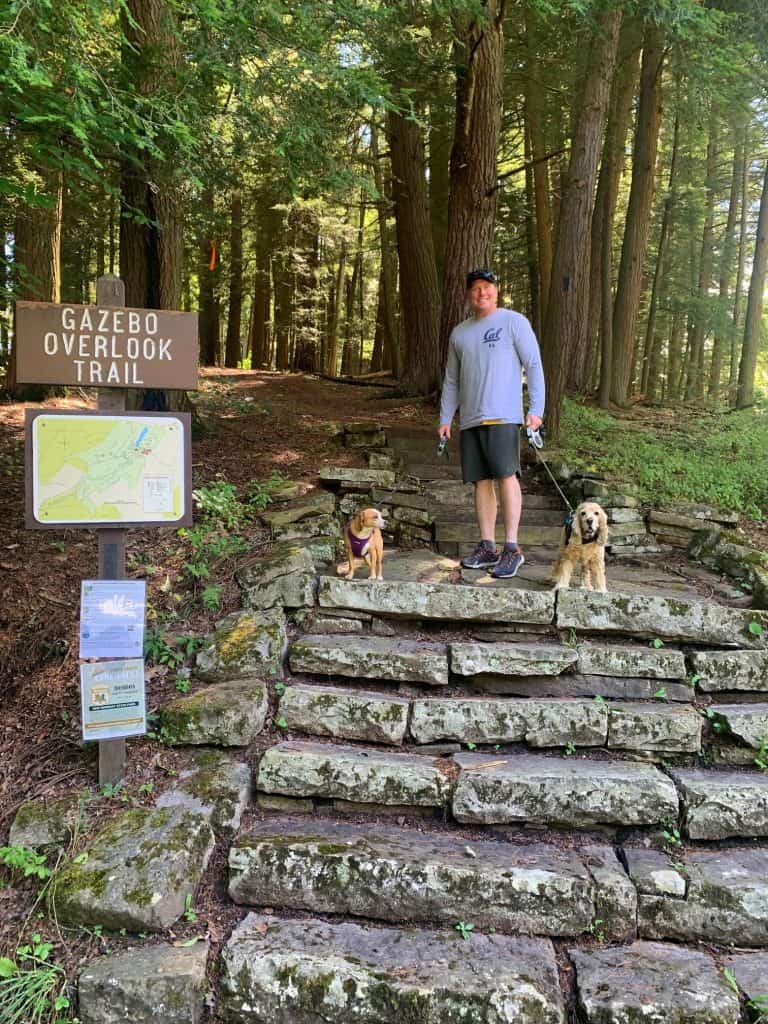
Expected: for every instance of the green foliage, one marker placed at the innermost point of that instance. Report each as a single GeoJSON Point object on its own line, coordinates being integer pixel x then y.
{"type": "Point", "coordinates": [32, 989]}
{"type": "Point", "coordinates": [260, 492]}
{"type": "Point", "coordinates": [718, 458]}
{"type": "Point", "coordinates": [190, 914]}
{"type": "Point", "coordinates": [464, 928]}
{"type": "Point", "coordinates": [173, 651]}
{"type": "Point", "coordinates": [671, 833]}
{"type": "Point", "coordinates": [219, 501]}
{"type": "Point", "coordinates": [761, 759]}
{"type": "Point", "coordinates": [755, 629]}
{"type": "Point", "coordinates": [24, 861]}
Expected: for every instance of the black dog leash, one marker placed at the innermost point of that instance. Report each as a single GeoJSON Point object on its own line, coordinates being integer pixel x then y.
{"type": "Point", "coordinates": [536, 441]}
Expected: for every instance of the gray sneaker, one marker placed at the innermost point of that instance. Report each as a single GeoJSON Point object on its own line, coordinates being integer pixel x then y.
{"type": "Point", "coordinates": [483, 557]}
{"type": "Point", "coordinates": [510, 561]}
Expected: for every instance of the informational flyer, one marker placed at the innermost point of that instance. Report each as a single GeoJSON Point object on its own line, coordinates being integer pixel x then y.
{"type": "Point", "coordinates": [112, 618]}
{"type": "Point", "coordinates": [112, 699]}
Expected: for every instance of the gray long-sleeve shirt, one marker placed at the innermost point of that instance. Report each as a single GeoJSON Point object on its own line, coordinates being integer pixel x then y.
{"type": "Point", "coordinates": [483, 374]}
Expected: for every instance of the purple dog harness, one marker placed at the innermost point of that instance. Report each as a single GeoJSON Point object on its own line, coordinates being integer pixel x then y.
{"type": "Point", "coordinates": [356, 543]}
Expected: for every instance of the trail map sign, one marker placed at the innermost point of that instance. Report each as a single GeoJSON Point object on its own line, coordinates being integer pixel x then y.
{"type": "Point", "coordinates": [112, 618]}
{"type": "Point", "coordinates": [112, 699]}
{"type": "Point", "coordinates": [105, 346]}
{"type": "Point", "coordinates": [102, 469]}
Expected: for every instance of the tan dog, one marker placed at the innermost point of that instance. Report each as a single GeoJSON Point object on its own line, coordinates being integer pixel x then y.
{"type": "Point", "coordinates": [584, 546]}
{"type": "Point", "coordinates": [363, 542]}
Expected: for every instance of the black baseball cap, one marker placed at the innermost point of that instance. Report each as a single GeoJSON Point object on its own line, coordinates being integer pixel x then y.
{"type": "Point", "coordinates": [481, 274]}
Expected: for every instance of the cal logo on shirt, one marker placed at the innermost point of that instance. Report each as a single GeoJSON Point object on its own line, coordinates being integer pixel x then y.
{"type": "Point", "coordinates": [491, 336]}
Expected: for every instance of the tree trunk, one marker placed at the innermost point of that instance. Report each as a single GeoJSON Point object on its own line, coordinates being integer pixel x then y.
{"type": "Point", "coordinates": [392, 353]}
{"type": "Point", "coordinates": [208, 277]}
{"type": "Point", "coordinates": [733, 372]}
{"type": "Point", "coordinates": [305, 260]}
{"type": "Point", "coordinates": [440, 129]}
{"type": "Point", "coordinates": [233, 348]}
{"type": "Point", "coordinates": [652, 338]}
{"type": "Point", "coordinates": [283, 303]}
{"type": "Point", "coordinates": [753, 320]}
{"type": "Point", "coordinates": [721, 341]}
{"type": "Point", "coordinates": [534, 115]}
{"type": "Point", "coordinates": [332, 351]}
{"type": "Point", "coordinates": [565, 323]}
{"type": "Point", "coordinates": [419, 296]}
{"type": "Point", "coordinates": [638, 214]}
{"type": "Point", "coordinates": [675, 358]}
{"type": "Point", "coordinates": [37, 266]}
{"type": "Point", "coordinates": [531, 249]}
{"type": "Point", "coordinates": [473, 175]}
{"type": "Point", "coordinates": [601, 235]}
{"type": "Point", "coordinates": [694, 385]}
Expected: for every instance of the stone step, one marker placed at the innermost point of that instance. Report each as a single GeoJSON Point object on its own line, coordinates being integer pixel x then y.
{"type": "Point", "coordinates": [662, 618]}
{"type": "Point", "coordinates": [427, 471]}
{"type": "Point", "coordinates": [510, 659]}
{"type": "Point", "coordinates": [299, 972]}
{"type": "Point", "coordinates": [345, 715]}
{"type": "Point", "coordinates": [371, 657]}
{"type": "Point", "coordinates": [574, 792]}
{"type": "Point", "coordinates": [437, 601]}
{"type": "Point", "coordinates": [576, 684]}
{"type": "Point", "coordinates": [353, 774]}
{"type": "Point", "coordinates": [449, 495]}
{"type": "Point", "coordinates": [723, 671]}
{"type": "Point", "coordinates": [722, 804]}
{"type": "Point", "coordinates": [400, 875]}
{"type": "Point", "coordinates": [718, 896]}
{"type": "Point", "coordinates": [746, 723]}
{"type": "Point", "coordinates": [650, 981]}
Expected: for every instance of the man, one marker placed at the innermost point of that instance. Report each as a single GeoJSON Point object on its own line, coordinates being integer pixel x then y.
{"type": "Point", "coordinates": [483, 377]}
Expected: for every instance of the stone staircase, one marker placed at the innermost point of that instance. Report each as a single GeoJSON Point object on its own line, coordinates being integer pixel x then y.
{"type": "Point", "coordinates": [471, 800]}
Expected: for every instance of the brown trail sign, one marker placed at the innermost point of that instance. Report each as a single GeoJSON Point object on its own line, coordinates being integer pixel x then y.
{"type": "Point", "coordinates": [113, 348]}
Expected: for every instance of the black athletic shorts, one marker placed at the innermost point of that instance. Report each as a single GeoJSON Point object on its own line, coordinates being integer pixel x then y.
{"type": "Point", "coordinates": [490, 452]}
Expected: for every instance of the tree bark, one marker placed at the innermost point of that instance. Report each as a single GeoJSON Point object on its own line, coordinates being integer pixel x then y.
{"type": "Point", "coordinates": [534, 115]}
{"type": "Point", "coordinates": [208, 277]}
{"type": "Point", "coordinates": [332, 351]}
{"type": "Point", "coordinates": [565, 323]}
{"type": "Point", "coordinates": [419, 295]}
{"type": "Point", "coordinates": [601, 235]}
{"type": "Point", "coordinates": [733, 371]}
{"type": "Point", "coordinates": [699, 320]}
{"type": "Point", "coordinates": [638, 213]}
{"type": "Point", "coordinates": [479, 54]}
{"type": "Point", "coordinates": [305, 258]}
{"type": "Point", "coordinates": [753, 320]}
{"type": "Point", "coordinates": [652, 337]}
{"type": "Point", "coordinates": [440, 134]}
{"type": "Point", "coordinates": [233, 348]}
{"type": "Point", "coordinates": [721, 340]}
{"type": "Point", "coordinates": [392, 358]}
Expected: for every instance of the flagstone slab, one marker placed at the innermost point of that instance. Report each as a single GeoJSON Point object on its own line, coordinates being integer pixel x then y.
{"type": "Point", "coordinates": [349, 476]}
{"type": "Point", "coordinates": [720, 804]}
{"type": "Point", "coordinates": [540, 723]}
{"type": "Point", "coordinates": [304, 972]}
{"type": "Point", "coordinates": [575, 792]}
{"type": "Point", "coordinates": [632, 662]}
{"type": "Point", "coordinates": [47, 823]}
{"type": "Point", "coordinates": [283, 577]}
{"type": "Point", "coordinates": [446, 601]}
{"type": "Point", "coordinates": [730, 670]}
{"type": "Point", "coordinates": [141, 986]}
{"type": "Point", "coordinates": [140, 870]}
{"type": "Point", "coordinates": [745, 722]}
{"type": "Point", "coordinates": [316, 503]}
{"type": "Point", "coordinates": [306, 769]}
{"type": "Point", "coordinates": [725, 899]}
{"type": "Point", "coordinates": [229, 714]}
{"type": "Point", "coordinates": [660, 617]}
{"type": "Point", "coordinates": [469, 659]}
{"type": "Point", "coordinates": [371, 657]}
{"type": "Point", "coordinates": [345, 714]}
{"type": "Point", "coordinates": [574, 684]}
{"type": "Point", "coordinates": [214, 786]}
{"type": "Point", "coordinates": [615, 895]}
{"type": "Point", "coordinates": [396, 875]}
{"type": "Point", "coordinates": [751, 973]}
{"type": "Point", "coordinates": [654, 983]}
{"type": "Point", "coordinates": [654, 728]}
{"type": "Point", "coordinates": [655, 873]}
{"type": "Point", "coordinates": [251, 643]}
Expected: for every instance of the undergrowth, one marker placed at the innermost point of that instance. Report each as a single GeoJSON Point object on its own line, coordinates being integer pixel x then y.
{"type": "Point", "coordinates": [715, 457]}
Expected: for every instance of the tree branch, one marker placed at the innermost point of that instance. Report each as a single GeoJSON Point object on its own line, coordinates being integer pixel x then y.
{"type": "Point", "coordinates": [524, 167]}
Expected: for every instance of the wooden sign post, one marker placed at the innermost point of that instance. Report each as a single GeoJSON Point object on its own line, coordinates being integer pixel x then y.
{"type": "Point", "coordinates": [114, 348]}
{"type": "Point", "coordinates": [110, 291]}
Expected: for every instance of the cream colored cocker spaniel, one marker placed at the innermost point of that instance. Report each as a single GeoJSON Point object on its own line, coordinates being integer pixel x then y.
{"type": "Point", "coordinates": [583, 545]}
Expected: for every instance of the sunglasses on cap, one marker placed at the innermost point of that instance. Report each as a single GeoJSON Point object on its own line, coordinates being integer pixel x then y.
{"type": "Point", "coordinates": [480, 275]}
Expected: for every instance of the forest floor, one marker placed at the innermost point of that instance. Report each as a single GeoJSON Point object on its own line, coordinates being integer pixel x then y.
{"type": "Point", "coordinates": [254, 424]}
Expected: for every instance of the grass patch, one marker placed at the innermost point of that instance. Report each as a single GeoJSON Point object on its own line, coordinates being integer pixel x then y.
{"type": "Point", "coordinates": [715, 457]}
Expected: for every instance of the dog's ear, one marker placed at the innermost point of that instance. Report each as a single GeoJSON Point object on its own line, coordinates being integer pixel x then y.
{"type": "Point", "coordinates": [602, 530]}
{"type": "Point", "coordinates": [576, 526]}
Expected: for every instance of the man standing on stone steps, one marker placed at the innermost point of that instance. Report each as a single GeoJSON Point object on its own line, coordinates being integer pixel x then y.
{"type": "Point", "coordinates": [483, 379]}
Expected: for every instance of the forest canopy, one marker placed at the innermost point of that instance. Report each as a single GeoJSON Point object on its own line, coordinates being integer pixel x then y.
{"type": "Point", "coordinates": [315, 178]}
